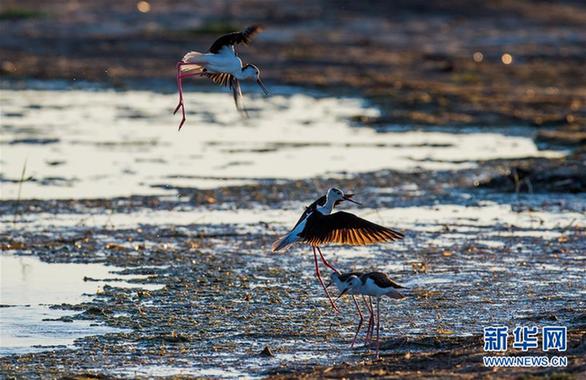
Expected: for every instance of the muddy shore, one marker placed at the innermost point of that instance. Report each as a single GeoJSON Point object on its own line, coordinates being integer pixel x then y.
{"type": "Point", "coordinates": [223, 295]}
{"type": "Point", "coordinates": [416, 59]}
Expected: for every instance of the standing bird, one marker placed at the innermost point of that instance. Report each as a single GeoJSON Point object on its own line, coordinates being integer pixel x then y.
{"type": "Point", "coordinates": [373, 284]}
{"type": "Point", "coordinates": [318, 226]}
{"type": "Point", "coordinates": [222, 65]}
{"type": "Point", "coordinates": [340, 280]}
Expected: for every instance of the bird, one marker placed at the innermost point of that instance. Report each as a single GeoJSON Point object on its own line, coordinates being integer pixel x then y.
{"type": "Point", "coordinates": [340, 280]}
{"type": "Point", "coordinates": [377, 285]}
{"type": "Point", "coordinates": [222, 65]}
{"type": "Point", "coordinates": [318, 226]}
{"type": "Point", "coordinates": [324, 205]}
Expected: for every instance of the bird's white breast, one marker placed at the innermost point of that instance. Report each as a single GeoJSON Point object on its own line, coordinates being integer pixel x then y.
{"type": "Point", "coordinates": [325, 209]}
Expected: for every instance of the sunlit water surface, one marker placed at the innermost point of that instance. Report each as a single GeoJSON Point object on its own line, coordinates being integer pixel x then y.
{"type": "Point", "coordinates": [89, 144]}
{"type": "Point", "coordinates": [29, 287]}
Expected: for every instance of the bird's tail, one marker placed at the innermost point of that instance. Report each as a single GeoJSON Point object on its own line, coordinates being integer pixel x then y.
{"type": "Point", "coordinates": [395, 295]}
{"type": "Point", "coordinates": [395, 285]}
{"type": "Point", "coordinates": [195, 59]}
{"type": "Point", "coordinates": [284, 242]}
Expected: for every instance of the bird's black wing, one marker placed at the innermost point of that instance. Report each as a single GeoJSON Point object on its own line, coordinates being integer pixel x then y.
{"type": "Point", "coordinates": [221, 79]}
{"type": "Point", "coordinates": [345, 276]}
{"type": "Point", "coordinates": [230, 81]}
{"type": "Point", "coordinates": [311, 208]}
{"type": "Point", "coordinates": [382, 280]}
{"type": "Point", "coordinates": [345, 228]}
{"type": "Point", "coordinates": [237, 93]}
{"type": "Point", "coordinates": [235, 38]}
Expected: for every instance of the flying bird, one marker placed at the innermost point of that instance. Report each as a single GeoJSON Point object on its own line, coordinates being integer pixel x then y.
{"type": "Point", "coordinates": [318, 226]}
{"type": "Point", "coordinates": [222, 65]}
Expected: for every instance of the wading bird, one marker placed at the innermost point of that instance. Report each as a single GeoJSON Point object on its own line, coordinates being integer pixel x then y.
{"type": "Point", "coordinates": [340, 280]}
{"type": "Point", "coordinates": [222, 65]}
{"type": "Point", "coordinates": [377, 285]}
{"type": "Point", "coordinates": [318, 226]}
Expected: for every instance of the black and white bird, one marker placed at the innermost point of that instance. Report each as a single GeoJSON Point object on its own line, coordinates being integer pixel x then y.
{"type": "Point", "coordinates": [318, 226]}
{"type": "Point", "coordinates": [222, 65]}
{"type": "Point", "coordinates": [373, 285]}
{"type": "Point", "coordinates": [340, 280]}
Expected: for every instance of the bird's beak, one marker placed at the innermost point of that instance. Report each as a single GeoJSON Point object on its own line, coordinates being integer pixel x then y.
{"type": "Point", "coordinates": [348, 197]}
{"type": "Point", "coordinates": [341, 294]}
{"type": "Point", "coordinates": [262, 86]}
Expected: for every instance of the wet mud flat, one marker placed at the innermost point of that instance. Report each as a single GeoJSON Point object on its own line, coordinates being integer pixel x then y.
{"type": "Point", "coordinates": [471, 258]}
{"type": "Point", "coordinates": [487, 240]}
{"type": "Point", "coordinates": [455, 358]}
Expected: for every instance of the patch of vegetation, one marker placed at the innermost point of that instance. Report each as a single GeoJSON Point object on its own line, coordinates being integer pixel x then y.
{"type": "Point", "coordinates": [13, 14]}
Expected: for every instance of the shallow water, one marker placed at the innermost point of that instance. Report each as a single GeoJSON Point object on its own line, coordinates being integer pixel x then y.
{"type": "Point", "coordinates": [29, 287]}
{"type": "Point", "coordinates": [90, 144]}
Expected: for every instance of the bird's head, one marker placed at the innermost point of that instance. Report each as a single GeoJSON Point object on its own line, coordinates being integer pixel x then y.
{"type": "Point", "coordinates": [335, 279]}
{"type": "Point", "coordinates": [251, 71]}
{"type": "Point", "coordinates": [352, 283]}
{"type": "Point", "coordinates": [338, 196]}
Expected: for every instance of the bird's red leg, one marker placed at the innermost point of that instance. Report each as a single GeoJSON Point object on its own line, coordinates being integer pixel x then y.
{"type": "Point", "coordinates": [180, 89]}
{"type": "Point", "coordinates": [370, 317]}
{"type": "Point", "coordinates": [321, 281]}
{"type": "Point", "coordinates": [179, 86]}
{"type": "Point", "coordinates": [377, 327]}
{"type": "Point", "coordinates": [323, 259]}
{"type": "Point", "coordinates": [373, 322]}
{"type": "Point", "coordinates": [189, 75]}
{"type": "Point", "coordinates": [359, 323]}
{"type": "Point", "coordinates": [368, 337]}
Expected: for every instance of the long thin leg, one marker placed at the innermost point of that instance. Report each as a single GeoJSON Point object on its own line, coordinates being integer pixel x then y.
{"type": "Point", "coordinates": [321, 281]}
{"type": "Point", "coordinates": [368, 337]}
{"type": "Point", "coordinates": [180, 89]}
{"type": "Point", "coordinates": [326, 262]}
{"type": "Point", "coordinates": [373, 322]}
{"type": "Point", "coordinates": [179, 78]}
{"type": "Point", "coordinates": [189, 75]}
{"type": "Point", "coordinates": [359, 323]}
{"type": "Point", "coordinates": [377, 326]}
